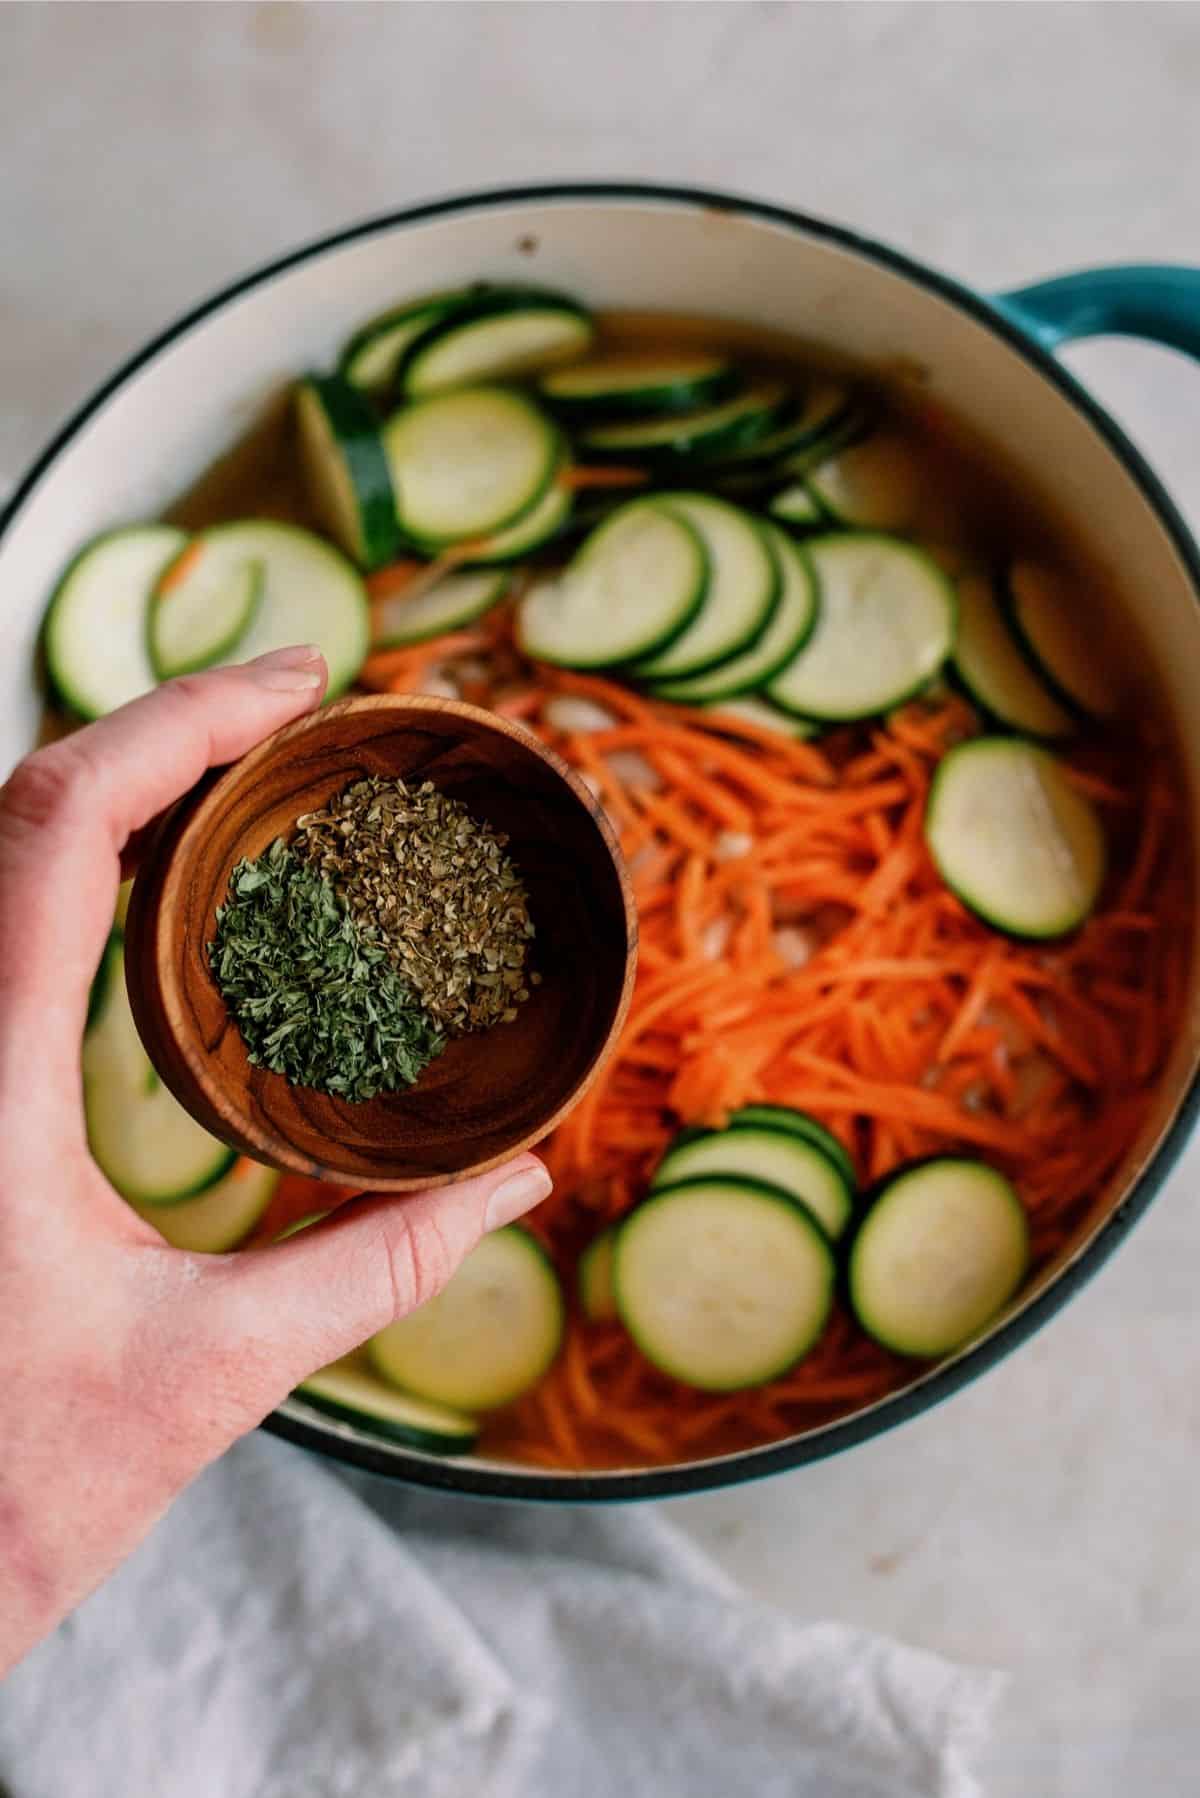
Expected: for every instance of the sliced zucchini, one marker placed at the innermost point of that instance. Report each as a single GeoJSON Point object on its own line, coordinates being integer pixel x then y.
{"type": "Point", "coordinates": [488, 1336]}
{"type": "Point", "coordinates": [124, 894]}
{"type": "Point", "coordinates": [191, 625]}
{"type": "Point", "coordinates": [469, 463]}
{"type": "Point", "coordinates": [354, 1395]}
{"type": "Point", "coordinates": [874, 485]}
{"type": "Point", "coordinates": [723, 1283]}
{"type": "Point", "coordinates": [796, 505]}
{"type": "Point", "coordinates": [310, 593]}
{"type": "Point", "coordinates": [779, 1158]}
{"type": "Point", "coordinates": [300, 1223]}
{"type": "Point", "coordinates": [785, 1117]}
{"type": "Point", "coordinates": [1055, 630]}
{"type": "Point", "coordinates": [454, 601]}
{"type": "Point", "coordinates": [543, 522]}
{"type": "Point", "coordinates": [140, 1137]}
{"type": "Point", "coordinates": [786, 633]}
{"type": "Point", "coordinates": [1013, 838]}
{"type": "Point", "coordinates": [743, 589]}
{"type": "Point", "coordinates": [597, 1299]}
{"type": "Point", "coordinates": [639, 383]}
{"type": "Point", "coordinates": [635, 584]}
{"type": "Point", "coordinates": [835, 415]}
{"type": "Point", "coordinates": [941, 1251]}
{"type": "Point", "coordinates": [217, 1220]}
{"type": "Point", "coordinates": [992, 666]}
{"type": "Point", "coordinates": [97, 654]}
{"type": "Point", "coordinates": [828, 416]}
{"type": "Point", "coordinates": [372, 356]}
{"type": "Point", "coordinates": [885, 624]}
{"type": "Point", "coordinates": [759, 714]}
{"type": "Point", "coordinates": [346, 470]}
{"type": "Point", "coordinates": [713, 431]}
{"type": "Point", "coordinates": [497, 333]}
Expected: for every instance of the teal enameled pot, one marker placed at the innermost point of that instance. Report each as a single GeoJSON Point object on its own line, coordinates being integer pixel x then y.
{"type": "Point", "coordinates": [163, 417]}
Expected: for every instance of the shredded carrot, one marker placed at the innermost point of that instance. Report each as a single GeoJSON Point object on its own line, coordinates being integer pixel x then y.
{"type": "Point", "coordinates": [822, 964]}
{"type": "Point", "coordinates": [580, 480]}
{"type": "Point", "coordinates": [396, 578]}
{"type": "Point", "coordinates": [182, 566]}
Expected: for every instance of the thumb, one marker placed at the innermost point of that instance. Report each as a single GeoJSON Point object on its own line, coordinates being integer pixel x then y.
{"type": "Point", "coordinates": [290, 1308]}
{"type": "Point", "coordinates": [68, 810]}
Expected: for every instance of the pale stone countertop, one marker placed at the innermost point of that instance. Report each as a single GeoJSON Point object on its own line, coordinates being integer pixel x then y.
{"type": "Point", "coordinates": [1045, 1520]}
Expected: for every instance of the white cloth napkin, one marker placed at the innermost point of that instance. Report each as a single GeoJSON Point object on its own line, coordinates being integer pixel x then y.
{"type": "Point", "coordinates": [291, 1632]}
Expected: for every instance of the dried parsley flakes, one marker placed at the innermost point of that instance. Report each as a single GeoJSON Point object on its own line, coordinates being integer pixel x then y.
{"type": "Point", "coordinates": [315, 998]}
{"type": "Point", "coordinates": [432, 884]}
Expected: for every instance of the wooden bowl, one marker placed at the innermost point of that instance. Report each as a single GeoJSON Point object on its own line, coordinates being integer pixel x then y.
{"type": "Point", "coordinates": [489, 1095]}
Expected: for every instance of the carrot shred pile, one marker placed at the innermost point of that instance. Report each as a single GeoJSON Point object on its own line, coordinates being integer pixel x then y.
{"type": "Point", "coordinates": [798, 947]}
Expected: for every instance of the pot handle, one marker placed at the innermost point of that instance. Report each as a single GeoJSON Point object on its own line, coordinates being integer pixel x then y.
{"type": "Point", "coordinates": [1157, 300]}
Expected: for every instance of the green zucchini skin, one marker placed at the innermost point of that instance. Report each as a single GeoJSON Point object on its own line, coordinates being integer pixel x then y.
{"type": "Point", "coordinates": [482, 306]}
{"type": "Point", "coordinates": [347, 468]}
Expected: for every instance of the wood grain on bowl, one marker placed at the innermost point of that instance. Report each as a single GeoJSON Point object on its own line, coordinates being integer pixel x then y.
{"type": "Point", "coordinates": [489, 1095]}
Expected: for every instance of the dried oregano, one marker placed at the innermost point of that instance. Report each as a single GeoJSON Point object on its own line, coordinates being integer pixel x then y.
{"type": "Point", "coordinates": [315, 998]}
{"type": "Point", "coordinates": [433, 885]}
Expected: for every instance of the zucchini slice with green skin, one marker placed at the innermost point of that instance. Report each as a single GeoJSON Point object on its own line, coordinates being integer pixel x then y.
{"type": "Point", "coordinates": [456, 600]}
{"type": "Point", "coordinates": [835, 416]}
{"type": "Point", "coordinates": [796, 506]}
{"type": "Point", "coordinates": [1013, 838]}
{"type": "Point", "coordinates": [785, 1117]}
{"type": "Point", "coordinates": [354, 1395]}
{"type": "Point", "coordinates": [311, 593]}
{"type": "Point", "coordinates": [346, 470]}
{"type": "Point", "coordinates": [97, 655]}
{"type": "Point", "coordinates": [759, 714]}
{"type": "Point", "coordinates": [743, 589]}
{"type": "Point", "coordinates": [942, 1249]}
{"type": "Point", "coordinates": [597, 1300]}
{"type": "Point", "coordinates": [780, 1158]}
{"type": "Point", "coordinates": [827, 416]}
{"type": "Point", "coordinates": [1054, 631]}
{"type": "Point", "coordinates": [372, 356]}
{"type": "Point", "coordinates": [874, 485]}
{"type": "Point", "coordinates": [786, 633]}
{"type": "Point", "coordinates": [634, 585]}
{"type": "Point", "coordinates": [300, 1223]}
{"type": "Point", "coordinates": [140, 1137]}
{"type": "Point", "coordinates": [541, 524]}
{"type": "Point", "coordinates": [191, 627]}
{"type": "Point", "coordinates": [469, 463]}
{"type": "Point", "coordinates": [992, 666]}
{"type": "Point", "coordinates": [885, 625]}
{"type": "Point", "coordinates": [496, 334]}
{"type": "Point", "coordinates": [639, 384]}
{"type": "Point", "coordinates": [713, 431]}
{"type": "Point", "coordinates": [488, 1336]}
{"type": "Point", "coordinates": [723, 1283]}
{"type": "Point", "coordinates": [217, 1220]}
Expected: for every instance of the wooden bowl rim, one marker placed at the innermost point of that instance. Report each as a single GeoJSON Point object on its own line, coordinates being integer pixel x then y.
{"type": "Point", "coordinates": [170, 909]}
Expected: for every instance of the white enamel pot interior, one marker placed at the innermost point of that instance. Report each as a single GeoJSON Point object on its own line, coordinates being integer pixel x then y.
{"type": "Point", "coordinates": [158, 423]}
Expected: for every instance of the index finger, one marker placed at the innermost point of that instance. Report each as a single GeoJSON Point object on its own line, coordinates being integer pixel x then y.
{"type": "Point", "coordinates": [67, 811]}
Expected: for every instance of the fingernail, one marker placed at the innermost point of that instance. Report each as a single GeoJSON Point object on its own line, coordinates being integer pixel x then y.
{"type": "Point", "coordinates": [296, 655]}
{"type": "Point", "coordinates": [286, 680]}
{"type": "Point", "coordinates": [517, 1195]}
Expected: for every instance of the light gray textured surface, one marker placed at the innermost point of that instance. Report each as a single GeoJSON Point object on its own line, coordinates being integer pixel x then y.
{"type": "Point", "coordinates": [450, 1649]}
{"type": "Point", "coordinates": [1045, 1520]}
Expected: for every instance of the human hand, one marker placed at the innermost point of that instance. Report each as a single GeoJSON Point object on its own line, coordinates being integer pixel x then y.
{"type": "Point", "coordinates": [129, 1365]}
